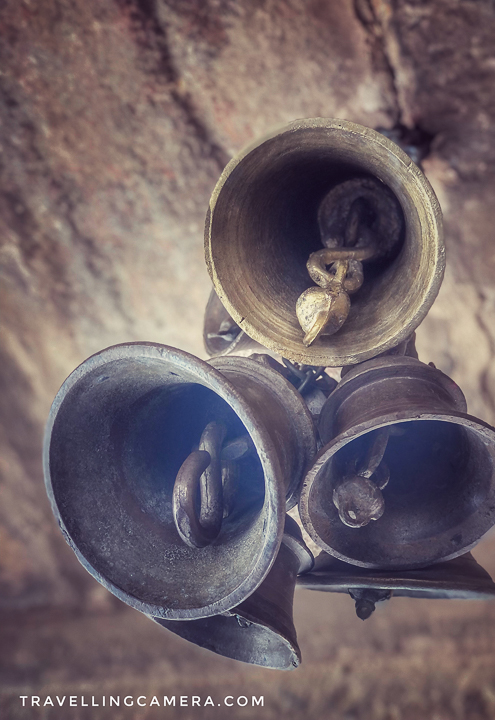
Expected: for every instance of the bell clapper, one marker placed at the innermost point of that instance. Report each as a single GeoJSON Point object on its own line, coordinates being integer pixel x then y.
{"type": "Point", "coordinates": [325, 308]}
{"type": "Point", "coordinates": [212, 468]}
{"type": "Point", "coordinates": [359, 220]}
{"type": "Point", "coordinates": [358, 497]}
{"type": "Point", "coordinates": [366, 599]}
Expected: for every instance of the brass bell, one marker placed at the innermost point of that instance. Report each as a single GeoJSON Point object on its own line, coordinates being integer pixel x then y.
{"type": "Point", "coordinates": [164, 472]}
{"type": "Point", "coordinates": [221, 334]}
{"type": "Point", "coordinates": [459, 579]}
{"type": "Point", "coordinates": [321, 227]}
{"type": "Point", "coordinates": [260, 630]}
{"type": "Point", "coordinates": [405, 478]}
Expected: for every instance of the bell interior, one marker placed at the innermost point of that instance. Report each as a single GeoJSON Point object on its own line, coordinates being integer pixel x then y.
{"type": "Point", "coordinates": [438, 502]}
{"type": "Point", "coordinates": [264, 227]}
{"type": "Point", "coordinates": [260, 630]}
{"type": "Point", "coordinates": [118, 441]}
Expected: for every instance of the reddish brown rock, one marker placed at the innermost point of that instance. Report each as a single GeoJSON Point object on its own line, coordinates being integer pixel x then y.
{"type": "Point", "coordinates": [116, 120]}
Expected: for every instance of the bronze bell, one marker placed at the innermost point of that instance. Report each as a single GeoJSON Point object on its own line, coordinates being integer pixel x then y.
{"type": "Point", "coordinates": [459, 579]}
{"type": "Point", "coordinates": [221, 334]}
{"type": "Point", "coordinates": [136, 435]}
{"type": "Point", "coordinates": [321, 227]}
{"type": "Point", "coordinates": [405, 478]}
{"type": "Point", "coordinates": [261, 629]}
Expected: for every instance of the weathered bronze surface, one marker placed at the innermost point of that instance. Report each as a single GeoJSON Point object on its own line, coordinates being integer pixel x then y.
{"type": "Point", "coordinates": [284, 413]}
{"type": "Point", "coordinates": [119, 430]}
{"type": "Point", "coordinates": [262, 225]}
{"type": "Point", "coordinates": [260, 630]}
{"type": "Point", "coordinates": [460, 579]}
{"type": "Point", "coordinates": [440, 498]}
{"type": "Point", "coordinates": [221, 334]}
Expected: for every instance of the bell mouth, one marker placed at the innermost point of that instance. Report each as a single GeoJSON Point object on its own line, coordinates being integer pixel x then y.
{"type": "Point", "coordinates": [458, 579]}
{"type": "Point", "coordinates": [238, 638]}
{"type": "Point", "coordinates": [439, 501]}
{"type": "Point", "coordinates": [260, 631]}
{"type": "Point", "coordinates": [262, 226]}
{"type": "Point", "coordinates": [118, 432]}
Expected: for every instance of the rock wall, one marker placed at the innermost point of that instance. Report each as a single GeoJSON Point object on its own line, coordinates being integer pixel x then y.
{"type": "Point", "coordinates": [117, 117]}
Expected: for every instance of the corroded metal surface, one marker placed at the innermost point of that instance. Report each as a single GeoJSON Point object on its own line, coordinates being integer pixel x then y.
{"type": "Point", "coordinates": [261, 630]}
{"type": "Point", "coordinates": [359, 220]}
{"type": "Point", "coordinates": [284, 413]}
{"type": "Point", "coordinates": [459, 579]}
{"type": "Point", "coordinates": [440, 498]}
{"type": "Point", "coordinates": [212, 472]}
{"type": "Point", "coordinates": [119, 430]}
{"type": "Point", "coordinates": [262, 225]}
{"type": "Point", "coordinates": [221, 334]}
{"type": "Point", "coordinates": [188, 480]}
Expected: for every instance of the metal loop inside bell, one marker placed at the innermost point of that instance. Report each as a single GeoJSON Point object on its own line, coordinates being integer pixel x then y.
{"type": "Point", "coordinates": [438, 487]}
{"type": "Point", "coordinates": [120, 428]}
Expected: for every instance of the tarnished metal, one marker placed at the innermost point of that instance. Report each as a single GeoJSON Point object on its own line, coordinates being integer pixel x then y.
{"type": "Point", "coordinates": [221, 334]}
{"type": "Point", "coordinates": [208, 469]}
{"type": "Point", "coordinates": [306, 378]}
{"type": "Point", "coordinates": [323, 310]}
{"type": "Point", "coordinates": [283, 410]}
{"type": "Point", "coordinates": [407, 347]}
{"type": "Point", "coordinates": [361, 213]}
{"type": "Point", "coordinates": [359, 220]}
{"type": "Point", "coordinates": [262, 226]}
{"type": "Point", "coordinates": [358, 496]}
{"type": "Point", "coordinates": [440, 498]}
{"type": "Point", "coordinates": [260, 630]}
{"type": "Point", "coordinates": [459, 579]}
{"type": "Point", "coordinates": [313, 383]}
{"type": "Point", "coordinates": [187, 482]}
{"type": "Point", "coordinates": [120, 429]}
{"type": "Point", "coordinates": [170, 477]}
{"type": "Point", "coordinates": [358, 501]}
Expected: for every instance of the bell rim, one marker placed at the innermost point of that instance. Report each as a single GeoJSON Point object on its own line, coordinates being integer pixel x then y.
{"type": "Point", "coordinates": [271, 632]}
{"type": "Point", "coordinates": [341, 583]}
{"type": "Point", "coordinates": [304, 429]}
{"type": "Point", "coordinates": [331, 448]}
{"type": "Point", "coordinates": [274, 500]}
{"type": "Point", "coordinates": [356, 379]}
{"type": "Point", "coordinates": [294, 540]}
{"type": "Point", "coordinates": [434, 229]}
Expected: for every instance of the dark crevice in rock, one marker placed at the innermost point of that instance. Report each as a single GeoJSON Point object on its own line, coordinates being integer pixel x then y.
{"type": "Point", "coordinates": [212, 148]}
{"type": "Point", "coordinates": [365, 14]}
{"type": "Point", "coordinates": [153, 33]}
{"type": "Point", "coordinates": [416, 141]}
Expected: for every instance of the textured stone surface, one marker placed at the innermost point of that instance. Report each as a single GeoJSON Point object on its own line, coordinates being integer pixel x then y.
{"type": "Point", "coordinates": [116, 120]}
